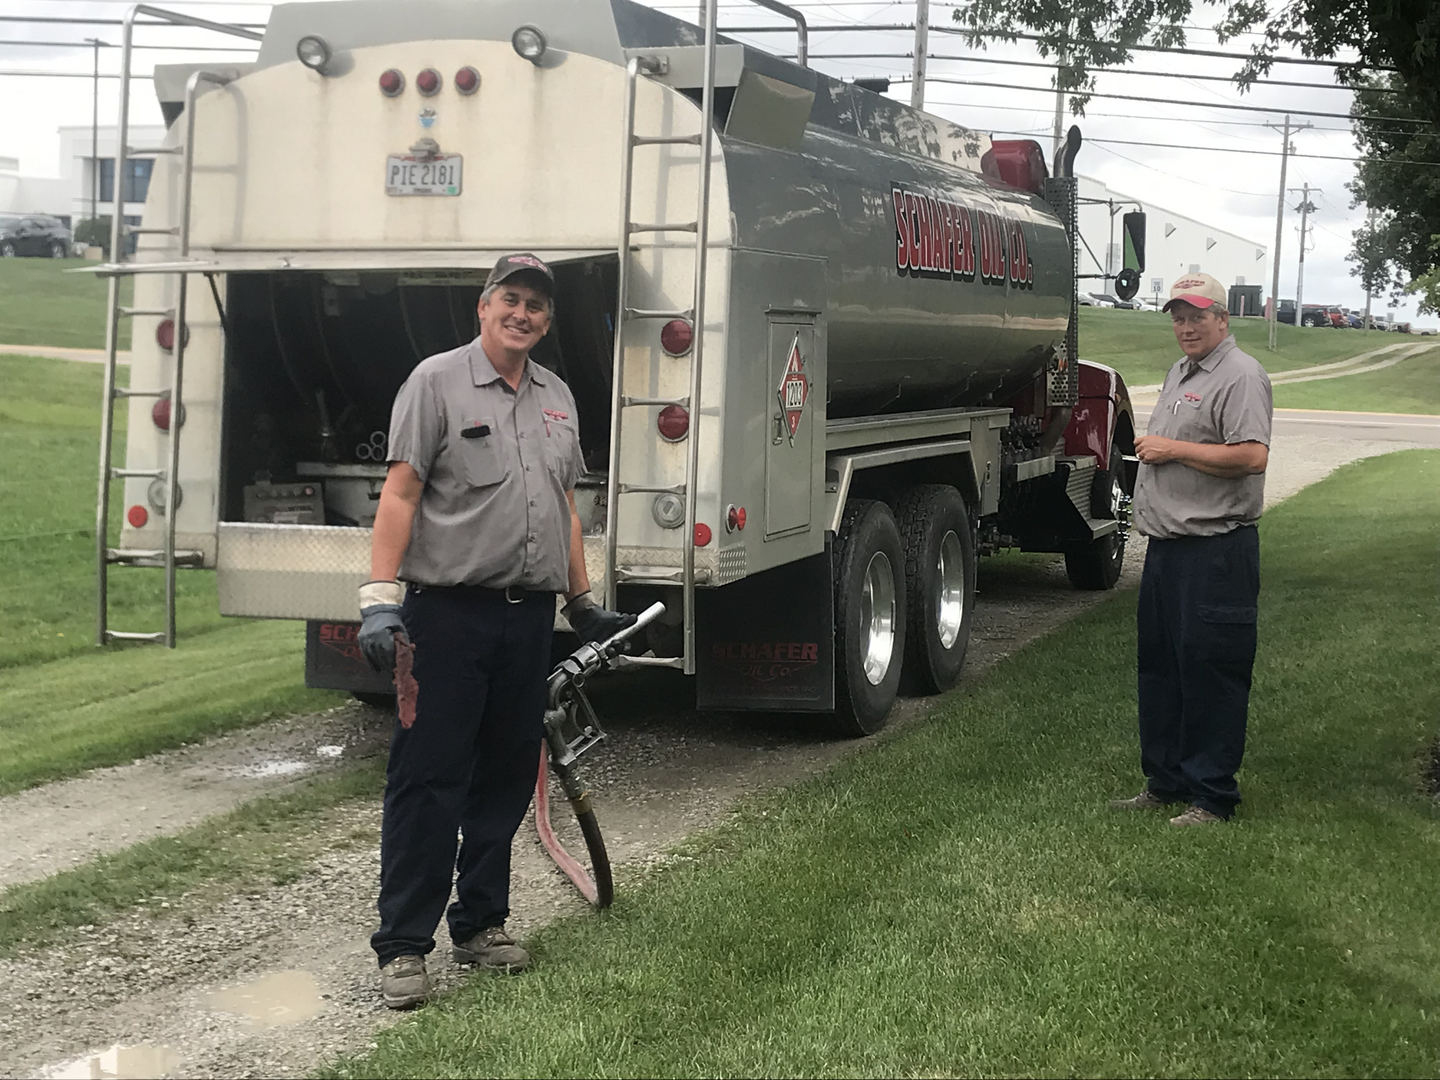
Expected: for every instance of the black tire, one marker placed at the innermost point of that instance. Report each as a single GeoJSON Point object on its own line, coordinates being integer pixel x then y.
{"type": "Point", "coordinates": [867, 534]}
{"type": "Point", "coordinates": [57, 250]}
{"type": "Point", "coordinates": [1096, 566]}
{"type": "Point", "coordinates": [7, 250]}
{"type": "Point", "coordinates": [935, 531]}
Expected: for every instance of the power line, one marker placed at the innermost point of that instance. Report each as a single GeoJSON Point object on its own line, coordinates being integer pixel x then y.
{"type": "Point", "coordinates": [1215, 149]}
{"type": "Point", "coordinates": [1185, 51]}
{"type": "Point", "coordinates": [1102, 71]}
{"type": "Point", "coordinates": [1173, 101]}
{"type": "Point", "coordinates": [108, 45]}
{"type": "Point", "coordinates": [69, 20]}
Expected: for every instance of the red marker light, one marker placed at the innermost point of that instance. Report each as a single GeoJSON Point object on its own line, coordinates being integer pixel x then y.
{"type": "Point", "coordinates": [673, 422]}
{"type": "Point", "coordinates": [428, 82]}
{"type": "Point", "coordinates": [740, 519]}
{"type": "Point", "coordinates": [735, 518]}
{"type": "Point", "coordinates": [676, 337]}
{"type": "Point", "coordinates": [702, 534]}
{"type": "Point", "coordinates": [137, 516]}
{"type": "Point", "coordinates": [160, 413]}
{"type": "Point", "coordinates": [467, 80]}
{"type": "Point", "coordinates": [165, 334]}
{"type": "Point", "coordinates": [392, 83]}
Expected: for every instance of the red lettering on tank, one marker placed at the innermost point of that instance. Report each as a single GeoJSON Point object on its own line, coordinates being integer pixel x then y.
{"type": "Point", "coordinates": [902, 230]}
{"type": "Point", "coordinates": [967, 245]}
{"type": "Point", "coordinates": [949, 247]}
{"type": "Point", "coordinates": [912, 211]}
{"type": "Point", "coordinates": [810, 651]}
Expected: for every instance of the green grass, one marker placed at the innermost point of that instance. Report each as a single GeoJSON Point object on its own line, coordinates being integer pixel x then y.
{"type": "Point", "coordinates": [958, 901]}
{"type": "Point", "coordinates": [265, 842]}
{"type": "Point", "coordinates": [40, 304]}
{"type": "Point", "coordinates": [1411, 386]}
{"type": "Point", "coordinates": [1141, 344]}
{"type": "Point", "coordinates": [65, 705]}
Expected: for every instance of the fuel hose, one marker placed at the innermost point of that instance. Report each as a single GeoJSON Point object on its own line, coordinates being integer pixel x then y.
{"type": "Point", "coordinates": [600, 889]}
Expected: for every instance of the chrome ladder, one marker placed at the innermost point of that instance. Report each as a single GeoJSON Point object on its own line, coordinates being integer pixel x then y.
{"type": "Point", "coordinates": [166, 556]}
{"type": "Point", "coordinates": [615, 573]}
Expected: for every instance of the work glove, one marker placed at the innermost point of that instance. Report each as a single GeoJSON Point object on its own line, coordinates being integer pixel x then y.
{"type": "Point", "coordinates": [380, 622]}
{"type": "Point", "coordinates": [591, 621]}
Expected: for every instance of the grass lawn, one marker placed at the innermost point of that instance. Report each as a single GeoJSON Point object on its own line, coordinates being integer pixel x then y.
{"type": "Point", "coordinates": [959, 901]}
{"type": "Point", "coordinates": [1411, 386]}
{"type": "Point", "coordinates": [40, 304]}
{"type": "Point", "coordinates": [67, 705]}
{"type": "Point", "coordinates": [1141, 344]}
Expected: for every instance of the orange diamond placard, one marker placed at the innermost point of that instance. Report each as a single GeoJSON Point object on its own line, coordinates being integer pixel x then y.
{"type": "Point", "coordinates": [794, 389]}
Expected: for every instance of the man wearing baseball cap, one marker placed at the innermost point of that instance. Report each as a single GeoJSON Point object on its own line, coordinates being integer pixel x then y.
{"type": "Point", "coordinates": [1198, 497]}
{"type": "Point", "coordinates": [477, 517]}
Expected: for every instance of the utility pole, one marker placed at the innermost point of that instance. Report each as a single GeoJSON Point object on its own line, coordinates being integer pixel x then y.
{"type": "Point", "coordinates": [1365, 323]}
{"type": "Point", "coordinates": [1305, 209]}
{"type": "Point", "coordinates": [95, 130]}
{"type": "Point", "coordinates": [1059, 111]}
{"type": "Point", "coordinates": [922, 49]}
{"type": "Point", "coordinates": [1285, 150]}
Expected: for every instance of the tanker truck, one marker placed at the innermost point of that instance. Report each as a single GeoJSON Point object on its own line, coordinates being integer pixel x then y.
{"type": "Point", "coordinates": [822, 345]}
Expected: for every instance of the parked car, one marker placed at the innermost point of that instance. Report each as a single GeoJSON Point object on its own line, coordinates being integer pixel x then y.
{"type": "Point", "coordinates": [1338, 318]}
{"type": "Point", "coordinates": [1093, 300]}
{"type": "Point", "coordinates": [1116, 302]}
{"type": "Point", "coordinates": [1286, 312]}
{"type": "Point", "coordinates": [34, 234]}
{"type": "Point", "coordinates": [1315, 315]}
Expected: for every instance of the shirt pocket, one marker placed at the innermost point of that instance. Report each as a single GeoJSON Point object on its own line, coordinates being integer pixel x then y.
{"type": "Point", "coordinates": [479, 459]}
{"type": "Point", "coordinates": [562, 448]}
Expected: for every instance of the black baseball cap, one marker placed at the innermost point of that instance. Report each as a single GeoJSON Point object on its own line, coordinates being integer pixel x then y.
{"type": "Point", "coordinates": [519, 263]}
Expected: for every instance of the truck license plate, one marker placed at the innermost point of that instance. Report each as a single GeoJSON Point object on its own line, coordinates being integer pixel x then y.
{"type": "Point", "coordinates": [406, 174]}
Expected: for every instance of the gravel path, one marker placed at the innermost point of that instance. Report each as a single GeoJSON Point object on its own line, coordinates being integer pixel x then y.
{"type": "Point", "coordinates": [277, 982]}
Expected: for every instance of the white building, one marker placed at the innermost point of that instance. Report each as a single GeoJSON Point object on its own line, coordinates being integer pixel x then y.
{"type": "Point", "coordinates": [68, 196]}
{"type": "Point", "coordinates": [1174, 245]}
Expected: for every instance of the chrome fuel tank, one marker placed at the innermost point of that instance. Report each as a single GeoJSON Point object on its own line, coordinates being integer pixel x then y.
{"type": "Point", "coordinates": [945, 287]}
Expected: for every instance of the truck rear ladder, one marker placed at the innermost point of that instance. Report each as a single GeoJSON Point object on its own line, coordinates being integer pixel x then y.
{"type": "Point", "coordinates": [167, 555]}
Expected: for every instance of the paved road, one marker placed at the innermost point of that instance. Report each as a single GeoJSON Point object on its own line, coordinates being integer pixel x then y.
{"type": "Point", "coordinates": [1345, 426]}
{"type": "Point", "coordinates": [50, 352]}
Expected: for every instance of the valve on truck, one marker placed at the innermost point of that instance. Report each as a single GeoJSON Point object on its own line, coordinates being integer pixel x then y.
{"type": "Point", "coordinates": [571, 730]}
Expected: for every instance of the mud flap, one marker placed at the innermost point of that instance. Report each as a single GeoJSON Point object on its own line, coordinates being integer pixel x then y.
{"type": "Point", "coordinates": [768, 642]}
{"type": "Point", "coordinates": [333, 660]}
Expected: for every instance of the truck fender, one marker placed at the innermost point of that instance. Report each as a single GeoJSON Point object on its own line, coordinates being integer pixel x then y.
{"type": "Point", "coordinates": [881, 473]}
{"type": "Point", "coordinates": [1103, 417]}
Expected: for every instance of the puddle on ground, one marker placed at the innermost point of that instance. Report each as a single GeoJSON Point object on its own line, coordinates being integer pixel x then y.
{"type": "Point", "coordinates": [142, 1062]}
{"type": "Point", "coordinates": [275, 768]}
{"type": "Point", "coordinates": [329, 751]}
{"type": "Point", "coordinates": [282, 997]}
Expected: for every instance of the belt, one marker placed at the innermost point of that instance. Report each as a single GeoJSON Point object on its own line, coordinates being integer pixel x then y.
{"type": "Point", "coordinates": [511, 594]}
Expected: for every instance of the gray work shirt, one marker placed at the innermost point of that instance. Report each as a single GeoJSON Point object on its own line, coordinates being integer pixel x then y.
{"type": "Point", "coordinates": [496, 464]}
{"type": "Point", "coordinates": [1222, 398]}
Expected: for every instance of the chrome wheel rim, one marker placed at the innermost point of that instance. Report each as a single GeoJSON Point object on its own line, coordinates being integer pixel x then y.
{"type": "Point", "coordinates": [950, 610]}
{"type": "Point", "coordinates": [877, 617]}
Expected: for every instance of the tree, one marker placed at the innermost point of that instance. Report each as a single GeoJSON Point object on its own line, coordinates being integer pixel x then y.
{"type": "Point", "coordinates": [1398, 178]}
{"type": "Point", "coordinates": [1091, 35]}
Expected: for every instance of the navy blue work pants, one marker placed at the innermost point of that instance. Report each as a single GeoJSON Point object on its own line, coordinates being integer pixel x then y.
{"type": "Point", "coordinates": [467, 765]}
{"type": "Point", "coordinates": [1196, 630]}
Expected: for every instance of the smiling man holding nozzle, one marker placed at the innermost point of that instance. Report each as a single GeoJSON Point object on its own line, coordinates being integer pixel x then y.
{"type": "Point", "coordinates": [1198, 498]}
{"type": "Point", "coordinates": [478, 516]}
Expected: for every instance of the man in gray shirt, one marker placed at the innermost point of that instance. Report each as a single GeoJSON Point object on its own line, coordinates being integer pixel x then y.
{"type": "Point", "coordinates": [1198, 497]}
{"type": "Point", "coordinates": [478, 516]}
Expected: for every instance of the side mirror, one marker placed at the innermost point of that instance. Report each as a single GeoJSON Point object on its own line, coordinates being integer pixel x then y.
{"type": "Point", "coordinates": [1127, 282]}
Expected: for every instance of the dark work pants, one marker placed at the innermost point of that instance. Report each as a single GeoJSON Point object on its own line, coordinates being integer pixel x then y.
{"type": "Point", "coordinates": [1196, 629]}
{"type": "Point", "coordinates": [467, 764]}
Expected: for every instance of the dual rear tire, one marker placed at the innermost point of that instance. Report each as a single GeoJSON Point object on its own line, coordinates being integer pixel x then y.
{"type": "Point", "coordinates": [904, 592]}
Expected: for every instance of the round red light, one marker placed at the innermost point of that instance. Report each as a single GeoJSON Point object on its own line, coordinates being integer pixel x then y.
{"type": "Point", "coordinates": [467, 80]}
{"type": "Point", "coordinates": [428, 82]}
{"type": "Point", "coordinates": [702, 534]}
{"type": "Point", "coordinates": [673, 422]}
{"type": "Point", "coordinates": [676, 337]}
{"type": "Point", "coordinates": [391, 83]}
{"type": "Point", "coordinates": [137, 516]}
{"type": "Point", "coordinates": [160, 413]}
{"type": "Point", "coordinates": [735, 518]}
{"type": "Point", "coordinates": [165, 334]}
{"type": "Point", "coordinates": [740, 519]}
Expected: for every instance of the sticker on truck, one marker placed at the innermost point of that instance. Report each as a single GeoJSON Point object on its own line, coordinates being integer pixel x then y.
{"type": "Point", "coordinates": [409, 174]}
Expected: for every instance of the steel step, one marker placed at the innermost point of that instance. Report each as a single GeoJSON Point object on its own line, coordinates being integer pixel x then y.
{"type": "Point", "coordinates": [134, 635]}
{"type": "Point", "coordinates": [683, 402]}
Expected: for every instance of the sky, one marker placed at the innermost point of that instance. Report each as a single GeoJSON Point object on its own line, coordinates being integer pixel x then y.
{"type": "Point", "coordinates": [1196, 175]}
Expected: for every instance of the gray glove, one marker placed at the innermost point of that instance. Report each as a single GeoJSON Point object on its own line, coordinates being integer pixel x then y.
{"type": "Point", "coordinates": [591, 621]}
{"type": "Point", "coordinates": [381, 622]}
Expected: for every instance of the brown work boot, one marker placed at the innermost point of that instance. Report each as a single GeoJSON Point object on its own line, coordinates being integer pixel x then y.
{"type": "Point", "coordinates": [403, 982]}
{"type": "Point", "coordinates": [493, 949]}
{"type": "Point", "coordinates": [1197, 815]}
{"type": "Point", "coordinates": [1146, 800]}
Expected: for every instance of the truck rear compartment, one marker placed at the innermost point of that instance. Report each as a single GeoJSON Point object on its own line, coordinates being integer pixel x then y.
{"type": "Point", "coordinates": [314, 359]}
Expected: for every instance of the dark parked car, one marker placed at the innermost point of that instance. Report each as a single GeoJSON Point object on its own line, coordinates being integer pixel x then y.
{"type": "Point", "coordinates": [1315, 315]}
{"type": "Point", "coordinates": [34, 234]}
{"type": "Point", "coordinates": [1286, 312]}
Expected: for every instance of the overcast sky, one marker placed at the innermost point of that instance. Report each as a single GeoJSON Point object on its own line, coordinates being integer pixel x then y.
{"type": "Point", "coordinates": [1236, 192]}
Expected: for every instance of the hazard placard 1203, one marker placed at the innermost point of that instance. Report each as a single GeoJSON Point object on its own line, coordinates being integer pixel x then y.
{"type": "Point", "coordinates": [794, 389]}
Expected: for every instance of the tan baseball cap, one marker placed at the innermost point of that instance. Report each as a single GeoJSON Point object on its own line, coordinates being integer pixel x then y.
{"type": "Point", "coordinates": [1201, 290]}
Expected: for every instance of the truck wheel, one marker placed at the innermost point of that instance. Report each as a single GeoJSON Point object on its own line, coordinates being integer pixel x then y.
{"type": "Point", "coordinates": [939, 584]}
{"type": "Point", "coordinates": [375, 699]}
{"type": "Point", "coordinates": [1097, 565]}
{"type": "Point", "coordinates": [57, 250]}
{"type": "Point", "coordinates": [869, 616]}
